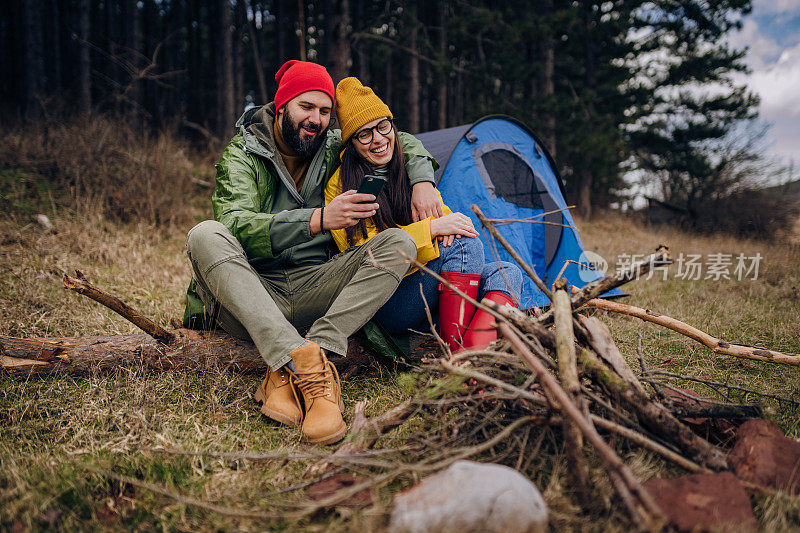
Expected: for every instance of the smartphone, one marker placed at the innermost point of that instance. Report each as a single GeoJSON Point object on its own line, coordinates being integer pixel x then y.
{"type": "Point", "coordinates": [371, 185]}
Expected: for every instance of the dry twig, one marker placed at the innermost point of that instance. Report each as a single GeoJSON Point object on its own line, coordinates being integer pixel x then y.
{"type": "Point", "coordinates": [568, 373]}
{"type": "Point", "coordinates": [716, 345]}
{"type": "Point", "coordinates": [510, 249]}
{"type": "Point", "coordinates": [80, 285]}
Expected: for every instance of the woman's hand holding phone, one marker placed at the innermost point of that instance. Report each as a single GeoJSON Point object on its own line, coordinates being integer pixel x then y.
{"type": "Point", "coordinates": [451, 227]}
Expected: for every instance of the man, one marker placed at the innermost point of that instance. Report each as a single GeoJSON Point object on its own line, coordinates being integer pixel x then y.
{"type": "Point", "coordinates": [263, 269]}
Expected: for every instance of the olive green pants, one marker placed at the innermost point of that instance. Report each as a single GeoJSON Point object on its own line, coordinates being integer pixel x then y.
{"type": "Point", "coordinates": [278, 310]}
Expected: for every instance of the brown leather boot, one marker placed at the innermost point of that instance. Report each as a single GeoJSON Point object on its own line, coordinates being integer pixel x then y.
{"type": "Point", "coordinates": [318, 383]}
{"type": "Point", "coordinates": [278, 398]}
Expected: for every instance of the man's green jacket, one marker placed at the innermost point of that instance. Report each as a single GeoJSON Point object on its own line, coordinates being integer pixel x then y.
{"type": "Point", "coordinates": [257, 200]}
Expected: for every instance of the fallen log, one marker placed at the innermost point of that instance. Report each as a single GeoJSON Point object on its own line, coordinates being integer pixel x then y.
{"type": "Point", "coordinates": [188, 350]}
{"type": "Point", "coordinates": [158, 350]}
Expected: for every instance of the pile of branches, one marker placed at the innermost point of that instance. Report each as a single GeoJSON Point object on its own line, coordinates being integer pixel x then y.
{"type": "Point", "coordinates": [555, 381]}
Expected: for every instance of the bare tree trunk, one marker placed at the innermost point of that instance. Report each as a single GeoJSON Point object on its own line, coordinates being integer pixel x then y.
{"type": "Point", "coordinates": [363, 68]}
{"type": "Point", "coordinates": [240, 29]}
{"type": "Point", "coordinates": [363, 65]}
{"type": "Point", "coordinates": [548, 86]}
{"type": "Point", "coordinates": [150, 37]}
{"type": "Point", "coordinates": [112, 43]}
{"type": "Point", "coordinates": [280, 33]}
{"type": "Point", "coordinates": [84, 62]}
{"type": "Point", "coordinates": [194, 98]}
{"type": "Point", "coordinates": [34, 68]}
{"type": "Point", "coordinates": [301, 20]}
{"type": "Point", "coordinates": [225, 80]}
{"type": "Point", "coordinates": [262, 86]}
{"type": "Point", "coordinates": [176, 56]}
{"type": "Point", "coordinates": [441, 98]}
{"type": "Point", "coordinates": [459, 97]}
{"type": "Point", "coordinates": [55, 35]}
{"type": "Point", "coordinates": [389, 81]}
{"type": "Point", "coordinates": [339, 40]}
{"type": "Point", "coordinates": [132, 40]}
{"type": "Point", "coordinates": [413, 110]}
{"type": "Point", "coordinates": [584, 200]}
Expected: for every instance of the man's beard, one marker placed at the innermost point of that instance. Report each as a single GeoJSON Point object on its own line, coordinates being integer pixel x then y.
{"type": "Point", "coordinates": [291, 134]}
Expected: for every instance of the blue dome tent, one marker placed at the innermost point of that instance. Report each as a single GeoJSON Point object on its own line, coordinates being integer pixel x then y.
{"type": "Point", "coordinates": [500, 165]}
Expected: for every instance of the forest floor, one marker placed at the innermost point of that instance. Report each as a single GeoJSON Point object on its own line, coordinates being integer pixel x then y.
{"type": "Point", "coordinates": [52, 429]}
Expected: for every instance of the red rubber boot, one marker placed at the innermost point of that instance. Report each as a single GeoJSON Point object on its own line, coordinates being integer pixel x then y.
{"type": "Point", "coordinates": [455, 312]}
{"type": "Point", "coordinates": [481, 331]}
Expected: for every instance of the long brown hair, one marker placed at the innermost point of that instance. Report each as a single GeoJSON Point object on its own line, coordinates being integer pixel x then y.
{"type": "Point", "coordinates": [394, 198]}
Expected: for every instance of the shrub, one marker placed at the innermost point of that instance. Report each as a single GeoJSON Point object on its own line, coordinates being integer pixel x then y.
{"type": "Point", "coordinates": [752, 213]}
{"type": "Point", "coordinates": [107, 166]}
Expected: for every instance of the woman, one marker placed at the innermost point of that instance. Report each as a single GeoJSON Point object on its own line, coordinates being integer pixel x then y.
{"type": "Point", "coordinates": [447, 245]}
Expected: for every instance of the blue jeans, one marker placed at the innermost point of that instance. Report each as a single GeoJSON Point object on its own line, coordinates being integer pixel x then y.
{"type": "Point", "coordinates": [406, 309]}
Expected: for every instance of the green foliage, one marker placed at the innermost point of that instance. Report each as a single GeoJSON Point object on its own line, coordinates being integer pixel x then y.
{"type": "Point", "coordinates": [694, 107]}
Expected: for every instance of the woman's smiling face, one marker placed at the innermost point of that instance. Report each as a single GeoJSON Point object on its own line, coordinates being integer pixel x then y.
{"type": "Point", "coordinates": [380, 149]}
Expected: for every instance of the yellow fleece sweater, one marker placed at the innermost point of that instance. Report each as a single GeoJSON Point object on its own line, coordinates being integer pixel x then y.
{"type": "Point", "coordinates": [427, 247]}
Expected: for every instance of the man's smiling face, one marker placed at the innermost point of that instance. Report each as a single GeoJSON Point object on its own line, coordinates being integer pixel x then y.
{"type": "Point", "coordinates": [304, 121]}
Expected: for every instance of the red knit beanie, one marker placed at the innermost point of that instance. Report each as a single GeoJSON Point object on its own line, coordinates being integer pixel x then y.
{"type": "Point", "coordinates": [296, 77]}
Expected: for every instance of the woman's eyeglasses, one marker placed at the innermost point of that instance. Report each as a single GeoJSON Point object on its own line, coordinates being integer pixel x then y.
{"type": "Point", "coordinates": [383, 127]}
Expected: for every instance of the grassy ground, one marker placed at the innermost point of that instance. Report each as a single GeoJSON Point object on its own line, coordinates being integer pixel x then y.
{"type": "Point", "coordinates": [53, 428]}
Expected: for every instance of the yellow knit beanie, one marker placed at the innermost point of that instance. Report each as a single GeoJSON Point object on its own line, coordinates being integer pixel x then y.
{"type": "Point", "coordinates": [356, 105]}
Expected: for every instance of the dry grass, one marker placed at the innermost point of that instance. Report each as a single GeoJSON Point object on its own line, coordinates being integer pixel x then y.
{"type": "Point", "coordinates": [51, 427]}
{"type": "Point", "coordinates": [763, 312]}
{"type": "Point", "coordinates": [109, 167]}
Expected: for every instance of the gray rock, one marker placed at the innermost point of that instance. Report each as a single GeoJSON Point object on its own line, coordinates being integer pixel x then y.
{"type": "Point", "coordinates": [471, 497]}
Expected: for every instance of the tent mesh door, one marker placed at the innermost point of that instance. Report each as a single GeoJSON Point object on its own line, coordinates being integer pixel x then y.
{"type": "Point", "coordinates": [513, 178]}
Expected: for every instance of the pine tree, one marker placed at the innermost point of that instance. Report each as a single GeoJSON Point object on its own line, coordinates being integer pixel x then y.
{"type": "Point", "coordinates": [693, 103]}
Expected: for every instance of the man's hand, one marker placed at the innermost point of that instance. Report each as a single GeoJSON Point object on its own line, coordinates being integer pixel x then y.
{"type": "Point", "coordinates": [452, 226]}
{"type": "Point", "coordinates": [425, 201]}
{"type": "Point", "coordinates": [346, 210]}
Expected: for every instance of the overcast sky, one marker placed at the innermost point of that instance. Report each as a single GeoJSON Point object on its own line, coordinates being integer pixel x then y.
{"type": "Point", "coordinates": [772, 32]}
